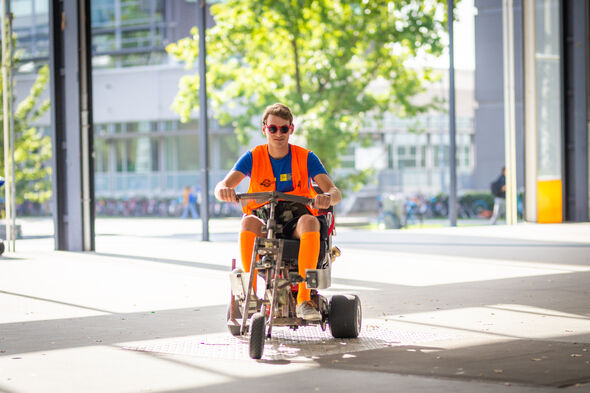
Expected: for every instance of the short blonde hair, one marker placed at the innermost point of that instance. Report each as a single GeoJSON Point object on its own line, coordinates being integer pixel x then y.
{"type": "Point", "coordinates": [279, 110]}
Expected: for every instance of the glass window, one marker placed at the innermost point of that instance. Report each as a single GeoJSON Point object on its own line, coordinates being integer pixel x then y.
{"type": "Point", "coordinates": [131, 127]}
{"type": "Point", "coordinates": [182, 153]}
{"type": "Point", "coordinates": [139, 59]}
{"type": "Point", "coordinates": [548, 88]}
{"type": "Point", "coordinates": [422, 156]}
{"type": "Point", "coordinates": [171, 163]}
{"type": "Point", "coordinates": [440, 155]}
{"type": "Point", "coordinates": [117, 25]}
{"type": "Point", "coordinates": [31, 26]}
{"type": "Point", "coordinates": [188, 152]}
{"type": "Point", "coordinates": [170, 125]}
{"type": "Point", "coordinates": [347, 159]}
{"type": "Point", "coordinates": [123, 25]}
{"type": "Point", "coordinates": [390, 156]}
{"type": "Point", "coordinates": [103, 13]}
{"type": "Point", "coordinates": [142, 156]}
{"type": "Point", "coordinates": [139, 127]}
{"type": "Point", "coordinates": [101, 155]}
{"type": "Point", "coordinates": [136, 39]}
{"type": "Point", "coordinates": [135, 12]}
{"type": "Point", "coordinates": [192, 125]}
{"type": "Point", "coordinates": [406, 157]}
{"type": "Point", "coordinates": [228, 150]}
{"type": "Point", "coordinates": [100, 129]}
{"type": "Point", "coordinates": [466, 156]}
{"type": "Point", "coordinates": [155, 154]}
{"type": "Point", "coordinates": [21, 7]}
{"type": "Point", "coordinates": [104, 42]}
{"type": "Point", "coordinates": [120, 155]}
{"type": "Point", "coordinates": [131, 154]}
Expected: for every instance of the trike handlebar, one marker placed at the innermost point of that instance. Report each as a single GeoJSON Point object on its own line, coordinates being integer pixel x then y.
{"type": "Point", "coordinates": [270, 196]}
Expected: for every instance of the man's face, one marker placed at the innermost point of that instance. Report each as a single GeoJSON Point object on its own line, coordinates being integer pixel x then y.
{"type": "Point", "coordinates": [278, 139]}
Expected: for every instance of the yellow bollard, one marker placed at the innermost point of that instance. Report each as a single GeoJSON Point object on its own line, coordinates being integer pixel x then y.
{"type": "Point", "coordinates": [549, 201]}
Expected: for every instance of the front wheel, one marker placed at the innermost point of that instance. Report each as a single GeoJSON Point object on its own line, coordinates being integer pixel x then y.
{"type": "Point", "coordinates": [345, 316]}
{"type": "Point", "coordinates": [257, 333]}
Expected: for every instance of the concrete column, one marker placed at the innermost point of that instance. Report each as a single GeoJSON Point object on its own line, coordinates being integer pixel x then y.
{"type": "Point", "coordinates": [71, 115]}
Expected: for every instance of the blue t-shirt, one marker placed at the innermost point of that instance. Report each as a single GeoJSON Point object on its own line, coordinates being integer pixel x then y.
{"type": "Point", "coordinates": [282, 168]}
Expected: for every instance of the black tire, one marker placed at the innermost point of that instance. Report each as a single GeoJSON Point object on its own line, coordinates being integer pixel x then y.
{"type": "Point", "coordinates": [234, 330]}
{"type": "Point", "coordinates": [1, 248]}
{"type": "Point", "coordinates": [345, 316]}
{"type": "Point", "coordinates": [257, 335]}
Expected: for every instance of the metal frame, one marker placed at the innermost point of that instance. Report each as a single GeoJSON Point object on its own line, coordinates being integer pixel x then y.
{"type": "Point", "coordinates": [203, 121]}
{"type": "Point", "coordinates": [8, 131]}
{"type": "Point", "coordinates": [509, 111]}
{"type": "Point", "coordinates": [563, 106]}
{"type": "Point", "coordinates": [530, 105]}
{"type": "Point", "coordinates": [452, 131]}
{"type": "Point", "coordinates": [575, 66]}
{"type": "Point", "coordinates": [71, 118]}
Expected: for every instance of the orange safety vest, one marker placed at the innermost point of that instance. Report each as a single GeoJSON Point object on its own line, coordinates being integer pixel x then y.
{"type": "Point", "coordinates": [262, 177]}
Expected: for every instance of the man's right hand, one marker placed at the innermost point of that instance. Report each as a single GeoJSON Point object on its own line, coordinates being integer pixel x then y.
{"type": "Point", "coordinates": [226, 194]}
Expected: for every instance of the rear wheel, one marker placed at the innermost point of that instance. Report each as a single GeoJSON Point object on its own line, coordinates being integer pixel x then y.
{"type": "Point", "coordinates": [345, 316]}
{"type": "Point", "coordinates": [257, 333]}
{"type": "Point", "coordinates": [234, 330]}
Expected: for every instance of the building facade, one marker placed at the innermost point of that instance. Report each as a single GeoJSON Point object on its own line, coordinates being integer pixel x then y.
{"type": "Point", "coordinates": [411, 156]}
{"type": "Point", "coordinates": [142, 150]}
{"type": "Point", "coordinates": [551, 48]}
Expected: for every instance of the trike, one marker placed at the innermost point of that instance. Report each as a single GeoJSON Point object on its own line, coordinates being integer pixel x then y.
{"type": "Point", "coordinates": [275, 260]}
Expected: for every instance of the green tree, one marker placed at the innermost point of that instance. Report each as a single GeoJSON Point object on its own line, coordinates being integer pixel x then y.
{"type": "Point", "coordinates": [32, 150]}
{"type": "Point", "coordinates": [320, 57]}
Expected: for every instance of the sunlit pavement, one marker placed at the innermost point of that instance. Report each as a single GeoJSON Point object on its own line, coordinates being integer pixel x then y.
{"type": "Point", "coordinates": [466, 309]}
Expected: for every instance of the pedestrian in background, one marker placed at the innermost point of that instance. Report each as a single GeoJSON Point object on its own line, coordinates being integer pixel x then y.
{"type": "Point", "coordinates": [190, 203]}
{"type": "Point", "coordinates": [498, 188]}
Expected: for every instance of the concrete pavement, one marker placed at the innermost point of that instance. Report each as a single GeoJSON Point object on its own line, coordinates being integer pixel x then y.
{"type": "Point", "coordinates": [467, 309]}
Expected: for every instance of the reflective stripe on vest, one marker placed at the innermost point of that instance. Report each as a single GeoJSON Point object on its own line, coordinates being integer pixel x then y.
{"type": "Point", "coordinates": [262, 177]}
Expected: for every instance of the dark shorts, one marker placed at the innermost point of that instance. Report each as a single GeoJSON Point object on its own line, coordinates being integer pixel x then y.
{"type": "Point", "coordinates": [287, 215]}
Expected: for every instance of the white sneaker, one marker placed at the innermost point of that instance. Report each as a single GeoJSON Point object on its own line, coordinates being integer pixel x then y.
{"type": "Point", "coordinates": [306, 311]}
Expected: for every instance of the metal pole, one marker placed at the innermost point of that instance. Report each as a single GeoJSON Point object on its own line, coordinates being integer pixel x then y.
{"type": "Point", "coordinates": [530, 112]}
{"type": "Point", "coordinates": [5, 113]}
{"type": "Point", "coordinates": [12, 136]}
{"type": "Point", "coordinates": [452, 146]}
{"type": "Point", "coordinates": [509, 111]}
{"type": "Point", "coordinates": [86, 131]}
{"type": "Point", "coordinates": [203, 123]}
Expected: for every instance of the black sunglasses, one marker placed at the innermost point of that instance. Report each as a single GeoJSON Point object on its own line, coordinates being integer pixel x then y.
{"type": "Point", "coordinates": [273, 129]}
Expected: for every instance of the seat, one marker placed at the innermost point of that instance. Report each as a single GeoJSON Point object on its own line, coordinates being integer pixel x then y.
{"type": "Point", "coordinates": [291, 246]}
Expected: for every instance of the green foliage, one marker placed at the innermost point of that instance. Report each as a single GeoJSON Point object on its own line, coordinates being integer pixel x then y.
{"type": "Point", "coordinates": [319, 57]}
{"type": "Point", "coordinates": [354, 181]}
{"type": "Point", "coordinates": [32, 150]}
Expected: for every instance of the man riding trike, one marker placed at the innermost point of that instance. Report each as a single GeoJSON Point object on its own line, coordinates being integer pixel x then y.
{"type": "Point", "coordinates": [285, 238]}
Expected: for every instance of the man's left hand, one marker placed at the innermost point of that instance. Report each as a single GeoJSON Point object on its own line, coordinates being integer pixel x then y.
{"type": "Point", "coordinates": [322, 201]}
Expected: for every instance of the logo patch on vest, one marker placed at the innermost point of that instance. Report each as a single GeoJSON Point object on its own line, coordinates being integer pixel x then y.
{"type": "Point", "coordinates": [266, 183]}
{"type": "Point", "coordinates": [285, 177]}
